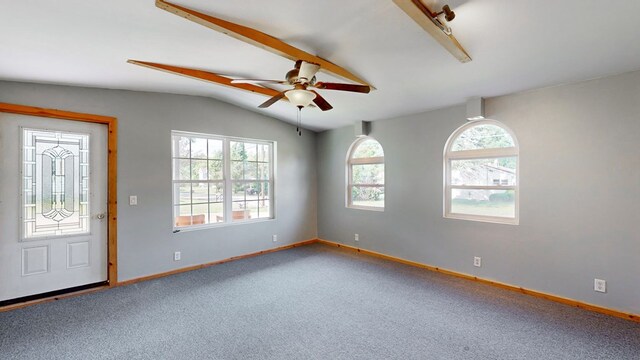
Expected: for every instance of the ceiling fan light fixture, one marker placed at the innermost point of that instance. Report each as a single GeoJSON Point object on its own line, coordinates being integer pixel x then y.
{"type": "Point", "coordinates": [300, 98]}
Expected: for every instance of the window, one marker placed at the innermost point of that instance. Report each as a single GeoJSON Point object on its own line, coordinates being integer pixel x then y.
{"type": "Point", "coordinates": [365, 175]}
{"type": "Point", "coordinates": [219, 180]}
{"type": "Point", "coordinates": [481, 173]}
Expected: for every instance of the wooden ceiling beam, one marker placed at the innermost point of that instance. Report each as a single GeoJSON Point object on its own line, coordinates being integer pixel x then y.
{"type": "Point", "coordinates": [259, 39]}
{"type": "Point", "coordinates": [205, 76]}
{"type": "Point", "coordinates": [422, 15]}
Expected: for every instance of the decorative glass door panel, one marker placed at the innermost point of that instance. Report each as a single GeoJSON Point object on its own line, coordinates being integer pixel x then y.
{"type": "Point", "coordinates": [55, 184]}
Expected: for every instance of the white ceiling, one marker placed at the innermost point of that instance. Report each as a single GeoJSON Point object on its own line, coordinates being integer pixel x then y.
{"type": "Point", "coordinates": [515, 45]}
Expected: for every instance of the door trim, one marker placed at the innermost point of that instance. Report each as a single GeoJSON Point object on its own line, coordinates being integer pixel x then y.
{"type": "Point", "coordinates": [112, 168]}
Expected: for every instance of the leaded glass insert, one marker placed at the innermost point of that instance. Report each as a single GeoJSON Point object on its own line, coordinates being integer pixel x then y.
{"type": "Point", "coordinates": [55, 188]}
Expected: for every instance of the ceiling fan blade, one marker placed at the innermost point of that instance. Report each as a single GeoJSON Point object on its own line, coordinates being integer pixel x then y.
{"type": "Point", "coordinates": [249, 81]}
{"type": "Point", "coordinates": [256, 38]}
{"type": "Point", "coordinates": [308, 70]}
{"type": "Point", "coordinates": [321, 102]}
{"type": "Point", "coordinates": [205, 76]}
{"type": "Point", "coordinates": [272, 101]}
{"type": "Point", "coordinates": [343, 87]}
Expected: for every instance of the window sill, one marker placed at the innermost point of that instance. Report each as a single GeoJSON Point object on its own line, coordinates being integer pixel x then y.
{"type": "Point", "coordinates": [487, 219]}
{"type": "Point", "coordinates": [370, 208]}
{"type": "Point", "coordinates": [177, 230]}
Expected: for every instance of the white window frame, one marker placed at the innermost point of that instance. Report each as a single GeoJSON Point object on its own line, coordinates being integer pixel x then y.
{"type": "Point", "coordinates": [361, 161]}
{"type": "Point", "coordinates": [480, 154]}
{"type": "Point", "coordinates": [226, 180]}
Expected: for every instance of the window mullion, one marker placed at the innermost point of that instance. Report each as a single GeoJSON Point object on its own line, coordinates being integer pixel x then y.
{"type": "Point", "coordinates": [227, 180]}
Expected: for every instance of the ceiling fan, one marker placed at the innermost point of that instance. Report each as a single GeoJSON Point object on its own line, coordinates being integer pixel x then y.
{"type": "Point", "coordinates": [303, 77]}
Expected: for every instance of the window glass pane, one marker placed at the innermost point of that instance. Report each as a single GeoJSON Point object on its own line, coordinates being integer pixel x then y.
{"type": "Point", "coordinates": [182, 193]}
{"type": "Point", "coordinates": [368, 148]}
{"type": "Point", "coordinates": [237, 151]}
{"type": "Point", "coordinates": [264, 210]}
{"type": "Point", "coordinates": [238, 191]}
{"type": "Point", "coordinates": [181, 169]}
{"type": "Point", "coordinates": [368, 174]}
{"type": "Point", "coordinates": [367, 196]}
{"type": "Point", "coordinates": [182, 146]}
{"type": "Point", "coordinates": [252, 151]}
{"type": "Point", "coordinates": [215, 149]}
{"type": "Point", "coordinates": [240, 212]}
{"type": "Point", "coordinates": [199, 193]}
{"type": "Point", "coordinates": [237, 170]}
{"type": "Point", "coordinates": [484, 172]}
{"type": "Point", "coordinates": [483, 136]}
{"type": "Point", "coordinates": [216, 191]}
{"type": "Point", "coordinates": [200, 214]}
{"type": "Point", "coordinates": [199, 170]}
{"type": "Point", "coordinates": [250, 171]}
{"type": "Point", "coordinates": [215, 169]}
{"type": "Point", "coordinates": [216, 212]}
{"type": "Point", "coordinates": [263, 171]}
{"type": "Point", "coordinates": [252, 191]}
{"type": "Point", "coordinates": [263, 153]}
{"type": "Point", "coordinates": [184, 210]}
{"type": "Point", "coordinates": [500, 203]}
{"type": "Point", "coordinates": [198, 148]}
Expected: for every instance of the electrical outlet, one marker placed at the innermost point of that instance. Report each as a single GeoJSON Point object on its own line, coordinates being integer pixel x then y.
{"type": "Point", "coordinates": [133, 200]}
{"type": "Point", "coordinates": [356, 237]}
{"type": "Point", "coordinates": [177, 256]}
{"type": "Point", "coordinates": [477, 261]}
{"type": "Point", "coordinates": [274, 238]}
{"type": "Point", "coordinates": [600, 285]}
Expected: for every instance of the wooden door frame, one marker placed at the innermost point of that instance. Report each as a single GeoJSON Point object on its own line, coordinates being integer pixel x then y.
{"type": "Point", "coordinates": [112, 168]}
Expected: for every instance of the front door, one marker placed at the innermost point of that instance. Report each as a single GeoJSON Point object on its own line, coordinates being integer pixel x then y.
{"type": "Point", "coordinates": [53, 203]}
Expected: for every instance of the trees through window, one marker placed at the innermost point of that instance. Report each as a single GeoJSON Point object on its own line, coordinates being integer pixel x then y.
{"type": "Point", "coordinates": [365, 175]}
{"type": "Point", "coordinates": [219, 179]}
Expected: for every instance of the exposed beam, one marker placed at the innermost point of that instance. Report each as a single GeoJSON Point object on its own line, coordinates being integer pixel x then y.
{"type": "Point", "coordinates": [206, 76]}
{"type": "Point", "coordinates": [259, 39]}
{"type": "Point", "coordinates": [421, 14]}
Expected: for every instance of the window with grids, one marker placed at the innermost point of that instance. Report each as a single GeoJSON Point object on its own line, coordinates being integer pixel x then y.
{"type": "Point", "coordinates": [219, 180]}
{"type": "Point", "coordinates": [365, 175]}
{"type": "Point", "coordinates": [481, 173]}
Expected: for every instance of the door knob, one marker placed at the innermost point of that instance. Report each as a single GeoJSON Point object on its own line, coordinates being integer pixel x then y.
{"type": "Point", "coordinates": [100, 216]}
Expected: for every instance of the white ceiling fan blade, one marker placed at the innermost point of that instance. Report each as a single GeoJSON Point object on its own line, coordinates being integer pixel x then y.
{"type": "Point", "coordinates": [308, 70]}
{"type": "Point", "coordinates": [251, 81]}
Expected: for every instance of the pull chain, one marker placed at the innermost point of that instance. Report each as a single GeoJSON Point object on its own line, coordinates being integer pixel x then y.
{"type": "Point", "coordinates": [299, 121]}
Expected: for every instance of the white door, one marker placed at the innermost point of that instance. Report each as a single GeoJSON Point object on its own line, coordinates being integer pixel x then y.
{"type": "Point", "coordinates": [53, 203]}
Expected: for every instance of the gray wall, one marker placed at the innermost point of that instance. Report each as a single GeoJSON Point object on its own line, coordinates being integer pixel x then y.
{"type": "Point", "coordinates": [578, 224]}
{"type": "Point", "coordinates": [145, 239]}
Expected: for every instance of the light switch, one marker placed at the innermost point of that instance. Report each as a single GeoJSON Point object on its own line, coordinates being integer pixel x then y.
{"type": "Point", "coordinates": [133, 200]}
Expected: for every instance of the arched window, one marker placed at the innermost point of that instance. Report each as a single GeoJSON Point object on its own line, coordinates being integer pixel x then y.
{"type": "Point", "coordinates": [481, 173]}
{"type": "Point", "coordinates": [365, 175]}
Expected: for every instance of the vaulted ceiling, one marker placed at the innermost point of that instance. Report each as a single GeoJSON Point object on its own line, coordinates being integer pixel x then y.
{"type": "Point", "coordinates": [515, 46]}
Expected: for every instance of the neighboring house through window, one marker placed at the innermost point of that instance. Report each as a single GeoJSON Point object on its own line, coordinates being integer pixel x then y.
{"type": "Point", "coordinates": [481, 173]}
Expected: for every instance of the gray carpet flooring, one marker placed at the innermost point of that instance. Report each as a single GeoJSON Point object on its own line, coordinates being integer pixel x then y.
{"type": "Point", "coordinates": [312, 302]}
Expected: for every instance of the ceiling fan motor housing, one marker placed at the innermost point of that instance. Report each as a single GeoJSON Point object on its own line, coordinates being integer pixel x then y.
{"type": "Point", "coordinates": [292, 78]}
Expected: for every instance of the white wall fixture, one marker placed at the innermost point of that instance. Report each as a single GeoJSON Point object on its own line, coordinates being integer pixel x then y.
{"type": "Point", "coordinates": [477, 261]}
{"type": "Point", "coordinates": [177, 256]}
{"type": "Point", "coordinates": [133, 200]}
{"type": "Point", "coordinates": [475, 108]}
{"type": "Point", "coordinates": [362, 128]}
{"type": "Point", "coordinates": [600, 285]}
